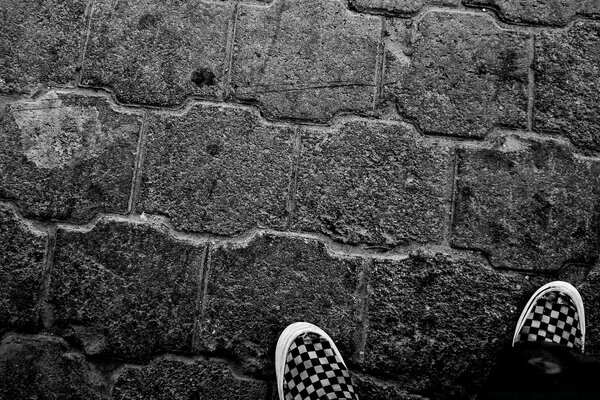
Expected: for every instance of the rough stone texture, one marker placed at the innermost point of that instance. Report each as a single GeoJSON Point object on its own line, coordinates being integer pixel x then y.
{"type": "Point", "coordinates": [567, 78]}
{"type": "Point", "coordinates": [220, 170]}
{"type": "Point", "coordinates": [435, 324]}
{"type": "Point", "coordinates": [529, 204]}
{"type": "Point", "coordinates": [305, 59]}
{"type": "Point", "coordinates": [67, 157]}
{"type": "Point", "coordinates": [125, 290]}
{"type": "Point", "coordinates": [400, 6]}
{"type": "Point", "coordinates": [21, 263]}
{"type": "Point", "coordinates": [42, 367]}
{"type": "Point", "coordinates": [39, 43]}
{"type": "Point", "coordinates": [457, 74]}
{"type": "Point", "coordinates": [542, 12]}
{"type": "Point", "coordinates": [253, 293]}
{"type": "Point", "coordinates": [254, 224]}
{"type": "Point", "coordinates": [158, 52]}
{"type": "Point", "coordinates": [369, 388]}
{"type": "Point", "coordinates": [588, 289]}
{"type": "Point", "coordinates": [180, 379]}
{"type": "Point", "coordinates": [373, 183]}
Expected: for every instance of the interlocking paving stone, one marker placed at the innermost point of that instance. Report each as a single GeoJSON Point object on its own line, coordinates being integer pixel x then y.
{"type": "Point", "coordinates": [254, 292]}
{"type": "Point", "coordinates": [305, 59]}
{"type": "Point", "coordinates": [158, 52]}
{"type": "Point", "coordinates": [67, 157]}
{"type": "Point", "coordinates": [545, 12]}
{"type": "Point", "coordinates": [567, 82]}
{"type": "Point", "coordinates": [171, 378]}
{"type": "Point", "coordinates": [39, 43]}
{"type": "Point", "coordinates": [21, 263]}
{"type": "Point", "coordinates": [125, 290]}
{"type": "Point", "coordinates": [530, 205]}
{"type": "Point", "coordinates": [400, 6]}
{"type": "Point", "coordinates": [43, 367]}
{"type": "Point", "coordinates": [457, 74]}
{"type": "Point", "coordinates": [371, 182]}
{"type": "Point", "coordinates": [217, 169]}
{"type": "Point", "coordinates": [435, 323]}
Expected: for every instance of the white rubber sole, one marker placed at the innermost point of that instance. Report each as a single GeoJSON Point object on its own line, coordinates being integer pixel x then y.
{"type": "Point", "coordinates": [286, 339]}
{"type": "Point", "coordinates": [554, 286]}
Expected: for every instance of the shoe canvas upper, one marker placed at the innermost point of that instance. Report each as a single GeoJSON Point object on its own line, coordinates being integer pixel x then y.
{"type": "Point", "coordinates": [314, 371]}
{"type": "Point", "coordinates": [553, 318]}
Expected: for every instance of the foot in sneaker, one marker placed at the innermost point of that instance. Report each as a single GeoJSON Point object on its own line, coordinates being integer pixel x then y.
{"type": "Point", "coordinates": [554, 314]}
{"type": "Point", "coordinates": [309, 366]}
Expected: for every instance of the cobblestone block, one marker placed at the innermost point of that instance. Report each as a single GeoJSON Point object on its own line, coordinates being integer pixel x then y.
{"type": "Point", "coordinates": [457, 74]}
{"type": "Point", "coordinates": [405, 7]}
{"type": "Point", "coordinates": [67, 157]}
{"type": "Point", "coordinates": [530, 205]}
{"type": "Point", "coordinates": [21, 263]}
{"type": "Point", "coordinates": [39, 43]}
{"type": "Point", "coordinates": [42, 367]}
{"type": "Point", "coordinates": [253, 293]}
{"type": "Point", "coordinates": [180, 379]}
{"type": "Point", "coordinates": [545, 12]}
{"type": "Point", "coordinates": [375, 183]}
{"type": "Point", "coordinates": [217, 169]}
{"type": "Point", "coordinates": [125, 290]}
{"type": "Point", "coordinates": [567, 82]}
{"type": "Point", "coordinates": [158, 52]}
{"type": "Point", "coordinates": [435, 323]}
{"type": "Point", "coordinates": [305, 59]}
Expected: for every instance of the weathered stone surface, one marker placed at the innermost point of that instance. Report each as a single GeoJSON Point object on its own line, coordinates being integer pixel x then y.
{"type": "Point", "coordinates": [545, 12]}
{"type": "Point", "coordinates": [457, 74]}
{"type": "Point", "coordinates": [42, 367]}
{"type": "Point", "coordinates": [125, 290]}
{"type": "Point", "coordinates": [590, 293]}
{"type": "Point", "coordinates": [180, 379]}
{"type": "Point", "coordinates": [400, 6]}
{"type": "Point", "coordinates": [436, 324]}
{"type": "Point", "coordinates": [67, 157]}
{"type": "Point", "coordinates": [21, 263]}
{"type": "Point", "coordinates": [39, 43]}
{"type": "Point", "coordinates": [567, 82]}
{"type": "Point", "coordinates": [305, 59]}
{"type": "Point", "coordinates": [369, 388]}
{"type": "Point", "coordinates": [374, 183]}
{"type": "Point", "coordinates": [217, 169]}
{"type": "Point", "coordinates": [158, 52]}
{"type": "Point", "coordinates": [530, 205]}
{"type": "Point", "coordinates": [253, 293]}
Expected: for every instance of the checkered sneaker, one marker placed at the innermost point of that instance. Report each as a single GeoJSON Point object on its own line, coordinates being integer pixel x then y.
{"type": "Point", "coordinates": [553, 318]}
{"type": "Point", "coordinates": [314, 371]}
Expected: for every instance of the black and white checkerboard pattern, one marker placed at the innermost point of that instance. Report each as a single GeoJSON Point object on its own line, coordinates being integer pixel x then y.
{"type": "Point", "coordinates": [553, 318]}
{"type": "Point", "coordinates": [313, 371]}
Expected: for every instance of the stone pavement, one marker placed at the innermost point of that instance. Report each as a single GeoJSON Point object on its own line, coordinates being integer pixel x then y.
{"type": "Point", "coordinates": [179, 180]}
